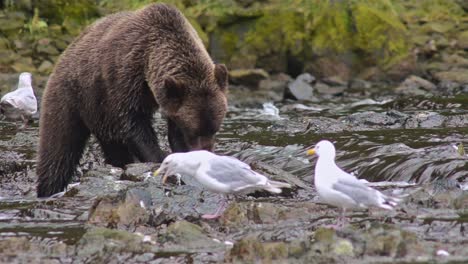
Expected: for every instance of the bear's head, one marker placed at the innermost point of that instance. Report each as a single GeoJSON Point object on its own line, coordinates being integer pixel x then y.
{"type": "Point", "coordinates": [195, 109]}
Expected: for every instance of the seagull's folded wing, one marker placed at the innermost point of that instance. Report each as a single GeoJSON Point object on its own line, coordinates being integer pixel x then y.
{"type": "Point", "coordinates": [9, 102]}
{"type": "Point", "coordinates": [233, 173]}
{"type": "Point", "coordinates": [361, 194]}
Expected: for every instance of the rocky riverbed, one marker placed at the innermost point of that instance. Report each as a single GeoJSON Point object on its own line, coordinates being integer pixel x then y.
{"type": "Point", "coordinates": [410, 144]}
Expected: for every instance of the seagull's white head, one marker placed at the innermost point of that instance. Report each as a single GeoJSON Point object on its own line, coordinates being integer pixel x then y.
{"type": "Point", "coordinates": [168, 167]}
{"type": "Point", "coordinates": [324, 149]}
{"type": "Point", "coordinates": [185, 163]}
{"type": "Point", "coordinates": [25, 79]}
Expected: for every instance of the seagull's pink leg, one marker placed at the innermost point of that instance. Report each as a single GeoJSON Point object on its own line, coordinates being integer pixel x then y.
{"type": "Point", "coordinates": [222, 206]}
{"type": "Point", "coordinates": [341, 221]}
{"type": "Point", "coordinates": [25, 123]}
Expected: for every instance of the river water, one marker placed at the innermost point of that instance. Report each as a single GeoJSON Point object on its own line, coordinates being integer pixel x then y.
{"type": "Point", "coordinates": [384, 139]}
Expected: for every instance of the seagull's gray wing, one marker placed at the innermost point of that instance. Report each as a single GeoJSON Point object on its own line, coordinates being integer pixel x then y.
{"type": "Point", "coordinates": [233, 172]}
{"type": "Point", "coordinates": [356, 190]}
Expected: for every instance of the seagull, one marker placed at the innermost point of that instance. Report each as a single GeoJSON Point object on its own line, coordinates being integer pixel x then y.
{"type": "Point", "coordinates": [341, 189]}
{"type": "Point", "coordinates": [219, 174]}
{"type": "Point", "coordinates": [21, 103]}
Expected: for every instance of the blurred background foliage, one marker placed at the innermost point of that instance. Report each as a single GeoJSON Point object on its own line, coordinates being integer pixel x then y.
{"type": "Point", "coordinates": [324, 37]}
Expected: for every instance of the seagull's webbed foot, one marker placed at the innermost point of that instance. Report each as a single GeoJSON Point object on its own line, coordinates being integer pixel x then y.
{"type": "Point", "coordinates": [222, 206]}
{"type": "Point", "coordinates": [341, 221]}
{"type": "Point", "coordinates": [25, 123]}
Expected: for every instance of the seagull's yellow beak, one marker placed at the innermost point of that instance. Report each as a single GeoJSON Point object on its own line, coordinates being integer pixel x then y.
{"type": "Point", "coordinates": [310, 152]}
{"type": "Point", "coordinates": [155, 174]}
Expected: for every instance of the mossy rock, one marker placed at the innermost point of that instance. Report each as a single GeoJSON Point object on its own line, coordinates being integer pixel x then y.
{"type": "Point", "coordinates": [23, 64]}
{"type": "Point", "coordinates": [462, 40]}
{"type": "Point", "coordinates": [455, 75]}
{"type": "Point", "coordinates": [103, 241]}
{"type": "Point", "coordinates": [251, 250]}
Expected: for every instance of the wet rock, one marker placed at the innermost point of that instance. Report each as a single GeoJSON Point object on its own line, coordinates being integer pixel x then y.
{"type": "Point", "coordinates": [326, 241]}
{"type": "Point", "coordinates": [440, 194]}
{"type": "Point", "coordinates": [358, 85]}
{"type": "Point", "coordinates": [99, 244]}
{"type": "Point", "coordinates": [235, 215]}
{"type": "Point", "coordinates": [325, 124]}
{"type": "Point", "coordinates": [189, 236]}
{"type": "Point", "coordinates": [139, 171]}
{"type": "Point", "coordinates": [372, 119]}
{"type": "Point", "coordinates": [414, 85]}
{"type": "Point", "coordinates": [125, 210]}
{"type": "Point", "coordinates": [23, 250]}
{"type": "Point", "coordinates": [181, 202]}
{"type": "Point", "coordinates": [102, 180]}
{"type": "Point", "coordinates": [425, 119]}
{"type": "Point", "coordinates": [16, 177]}
{"type": "Point", "coordinates": [449, 87]}
{"type": "Point", "coordinates": [248, 77]}
{"type": "Point", "coordinates": [461, 202]}
{"type": "Point", "coordinates": [301, 88]}
{"type": "Point", "coordinates": [10, 162]}
{"type": "Point", "coordinates": [390, 241]}
{"type": "Point", "coordinates": [456, 75]}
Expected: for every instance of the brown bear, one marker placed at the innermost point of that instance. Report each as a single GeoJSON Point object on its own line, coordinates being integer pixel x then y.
{"type": "Point", "coordinates": [111, 80]}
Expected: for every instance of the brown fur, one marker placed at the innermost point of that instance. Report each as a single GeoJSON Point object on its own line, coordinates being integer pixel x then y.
{"type": "Point", "coordinates": [111, 80]}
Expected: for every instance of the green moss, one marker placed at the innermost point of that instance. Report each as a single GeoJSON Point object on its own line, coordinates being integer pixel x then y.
{"type": "Point", "coordinates": [277, 31]}
{"type": "Point", "coordinates": [414, 11]}
{"type": "Point", "coordinates": [229, 42]}
{"type": "Point", "coordinates": [317, 28]}
{"type": "Point", "coordinates": [379, 33]}
{"type": "Point", "coordinates": [331, 28]}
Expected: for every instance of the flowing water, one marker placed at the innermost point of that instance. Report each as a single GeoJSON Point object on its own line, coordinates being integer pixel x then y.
{"type": "Point", "coordinates": [414, 140]}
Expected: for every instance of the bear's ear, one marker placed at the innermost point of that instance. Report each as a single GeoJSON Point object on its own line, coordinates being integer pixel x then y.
{"type": "Point", "coordinates": [173, 89]}
{"type": "Point", "coordinates": [221, 75]}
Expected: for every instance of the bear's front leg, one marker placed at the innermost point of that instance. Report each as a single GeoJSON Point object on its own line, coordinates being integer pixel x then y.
{"type": "Point", "coordinates": [176, 138]}
{"type": "Point", "coordinates": [144, 145]}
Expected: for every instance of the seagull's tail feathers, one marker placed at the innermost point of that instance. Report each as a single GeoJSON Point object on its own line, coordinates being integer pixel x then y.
{"type": "Point", "coordinates": [275, 186]}
{"type": "Point", "coordinates": [388, 202]}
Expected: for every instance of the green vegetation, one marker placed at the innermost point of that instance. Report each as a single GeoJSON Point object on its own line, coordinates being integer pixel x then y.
{"type": "Point", "coordinates": [247, 33]}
